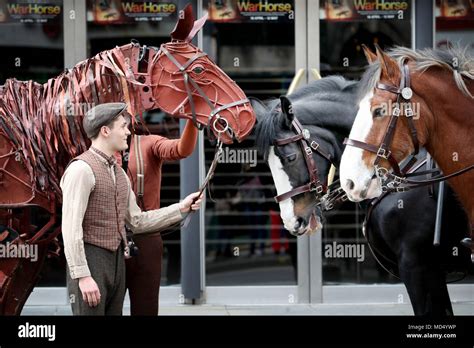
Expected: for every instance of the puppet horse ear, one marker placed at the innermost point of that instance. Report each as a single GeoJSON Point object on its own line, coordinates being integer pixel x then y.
{"type": "Point", "coordinates": [185, 24]}
{"type": "Point", "coordinates": [187, 27]}
{"type": "Point", "coordinates": [197, 26]}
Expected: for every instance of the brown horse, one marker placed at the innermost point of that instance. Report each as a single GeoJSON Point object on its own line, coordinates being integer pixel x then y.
{"type": "Point", "coordinates": [41, 130]}
{"type": "Point", "coordinates": [430, 92]}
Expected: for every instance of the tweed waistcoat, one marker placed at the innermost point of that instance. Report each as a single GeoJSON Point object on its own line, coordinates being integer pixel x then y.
{"type": "Point", "coordinates": [104, 219]}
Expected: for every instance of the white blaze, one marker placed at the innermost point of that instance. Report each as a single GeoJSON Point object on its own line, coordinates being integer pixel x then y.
{"type": "Point", "coordinates": [352, 166]}
{"type": "Point", "coordinates": [282, 184]}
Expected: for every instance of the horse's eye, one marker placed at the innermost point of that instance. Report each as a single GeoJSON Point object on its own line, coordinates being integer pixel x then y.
{"type": "Point", "coordinates": [291, 158]}
{"type": "Point", "coordinates": [378, 112]}
{"type": "Point", "coordinates": [198, 70]}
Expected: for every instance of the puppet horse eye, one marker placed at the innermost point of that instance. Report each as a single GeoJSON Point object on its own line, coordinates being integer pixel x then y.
{"type": "Point", "coordinates": [198, 70]}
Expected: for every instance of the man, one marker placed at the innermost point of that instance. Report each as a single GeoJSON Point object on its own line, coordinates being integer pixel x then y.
{"type": "Point", "coordinates": [97, 202]}
{"type": "Point", "coordinates": [143, 271]}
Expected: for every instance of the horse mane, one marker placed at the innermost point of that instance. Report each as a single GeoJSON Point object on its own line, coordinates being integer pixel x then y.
{"type": "Point", "coordinates": [368, 80]}
{"type": "Point", "coordinates": [99, 78]}
{"type": "Point", "coordinates": [456, 59]}
{"type": "Point", "coordinates": [326, 89]}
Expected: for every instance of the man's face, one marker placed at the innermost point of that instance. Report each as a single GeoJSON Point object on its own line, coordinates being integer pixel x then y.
{"type": "Point", "coordinates": [118, 133]}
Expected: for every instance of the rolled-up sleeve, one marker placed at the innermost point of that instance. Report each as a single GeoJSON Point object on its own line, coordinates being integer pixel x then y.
{"type": "Point", "coordinates": [166, 149]}
{"type": "Point", "coordinates": [141, 222]}
{"type": "Point", "coordinates": [76, 184]}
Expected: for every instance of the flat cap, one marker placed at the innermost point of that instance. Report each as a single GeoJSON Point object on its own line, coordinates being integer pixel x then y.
{"type": "Point", "coordinates": [101, 115]}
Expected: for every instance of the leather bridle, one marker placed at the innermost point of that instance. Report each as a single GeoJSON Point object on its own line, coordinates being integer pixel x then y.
{"type": "Point", "coordinates": [308, 147]}
{"type": "Point", "coordinates": [399, 181]}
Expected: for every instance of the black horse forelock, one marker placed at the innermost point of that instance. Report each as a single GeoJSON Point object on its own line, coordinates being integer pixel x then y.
{"type": "Point", "coordinates": [265, 130]}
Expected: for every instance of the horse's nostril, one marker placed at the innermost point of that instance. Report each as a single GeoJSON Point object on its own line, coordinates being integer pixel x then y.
{"type": "Point", "coordinates": [298, 223]}
{"type": "Point", "coordinates": [350, 184]}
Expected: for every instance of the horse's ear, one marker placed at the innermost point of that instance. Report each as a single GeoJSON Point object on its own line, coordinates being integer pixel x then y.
{"type": "Point", "coordinates": [197, 26]}
{"type": "Point", "coordinates": [287, 110]}
{"type": "Point", "coordinates": [388, 65]}
{"type": "Point", "coordinates": [371, 57]}
{"type": "Point", "coordinates": [185, 24]}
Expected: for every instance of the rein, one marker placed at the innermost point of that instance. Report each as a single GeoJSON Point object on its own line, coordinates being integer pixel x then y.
{"type": "Point", "coordinates": [210, 174]}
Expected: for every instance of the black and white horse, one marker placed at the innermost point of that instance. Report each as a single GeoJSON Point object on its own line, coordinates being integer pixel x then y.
{"type": "Point", "coordinates": [327, 109]}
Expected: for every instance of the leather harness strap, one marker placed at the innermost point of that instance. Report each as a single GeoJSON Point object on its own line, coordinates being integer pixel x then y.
{"type": "Point", "coordinates": [289, 140]}
{"type": "Point", "coordinates": [384, 153]}
{"type": "Point", "coordinates": [307, 146]}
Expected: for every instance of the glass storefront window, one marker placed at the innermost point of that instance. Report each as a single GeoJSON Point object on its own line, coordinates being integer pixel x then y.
{"type": "Point", "coordinates": [31, 40]}
{"type": "Point", "coordinates": [246, 243]}
{"type": "Point", "coordinates": [346, 25]}
{"type": "Point", "coordinates": [116, 22]}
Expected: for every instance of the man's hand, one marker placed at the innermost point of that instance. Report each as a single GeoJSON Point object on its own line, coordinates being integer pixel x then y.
{"type": "Point", "coordinates": [90, 291]}
{"type": "Point", "coordinates": [191, 202]}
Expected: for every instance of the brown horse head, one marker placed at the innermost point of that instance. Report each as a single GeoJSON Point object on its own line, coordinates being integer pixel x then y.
{"type": "Point", "coordinates": [382, 106]}
{"type": "Point", "coordinates": [186, 82]}
{"type": "Point", "coordinates": [414, 98]}
{"type": "Point", "coordinates": [372, 123]}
